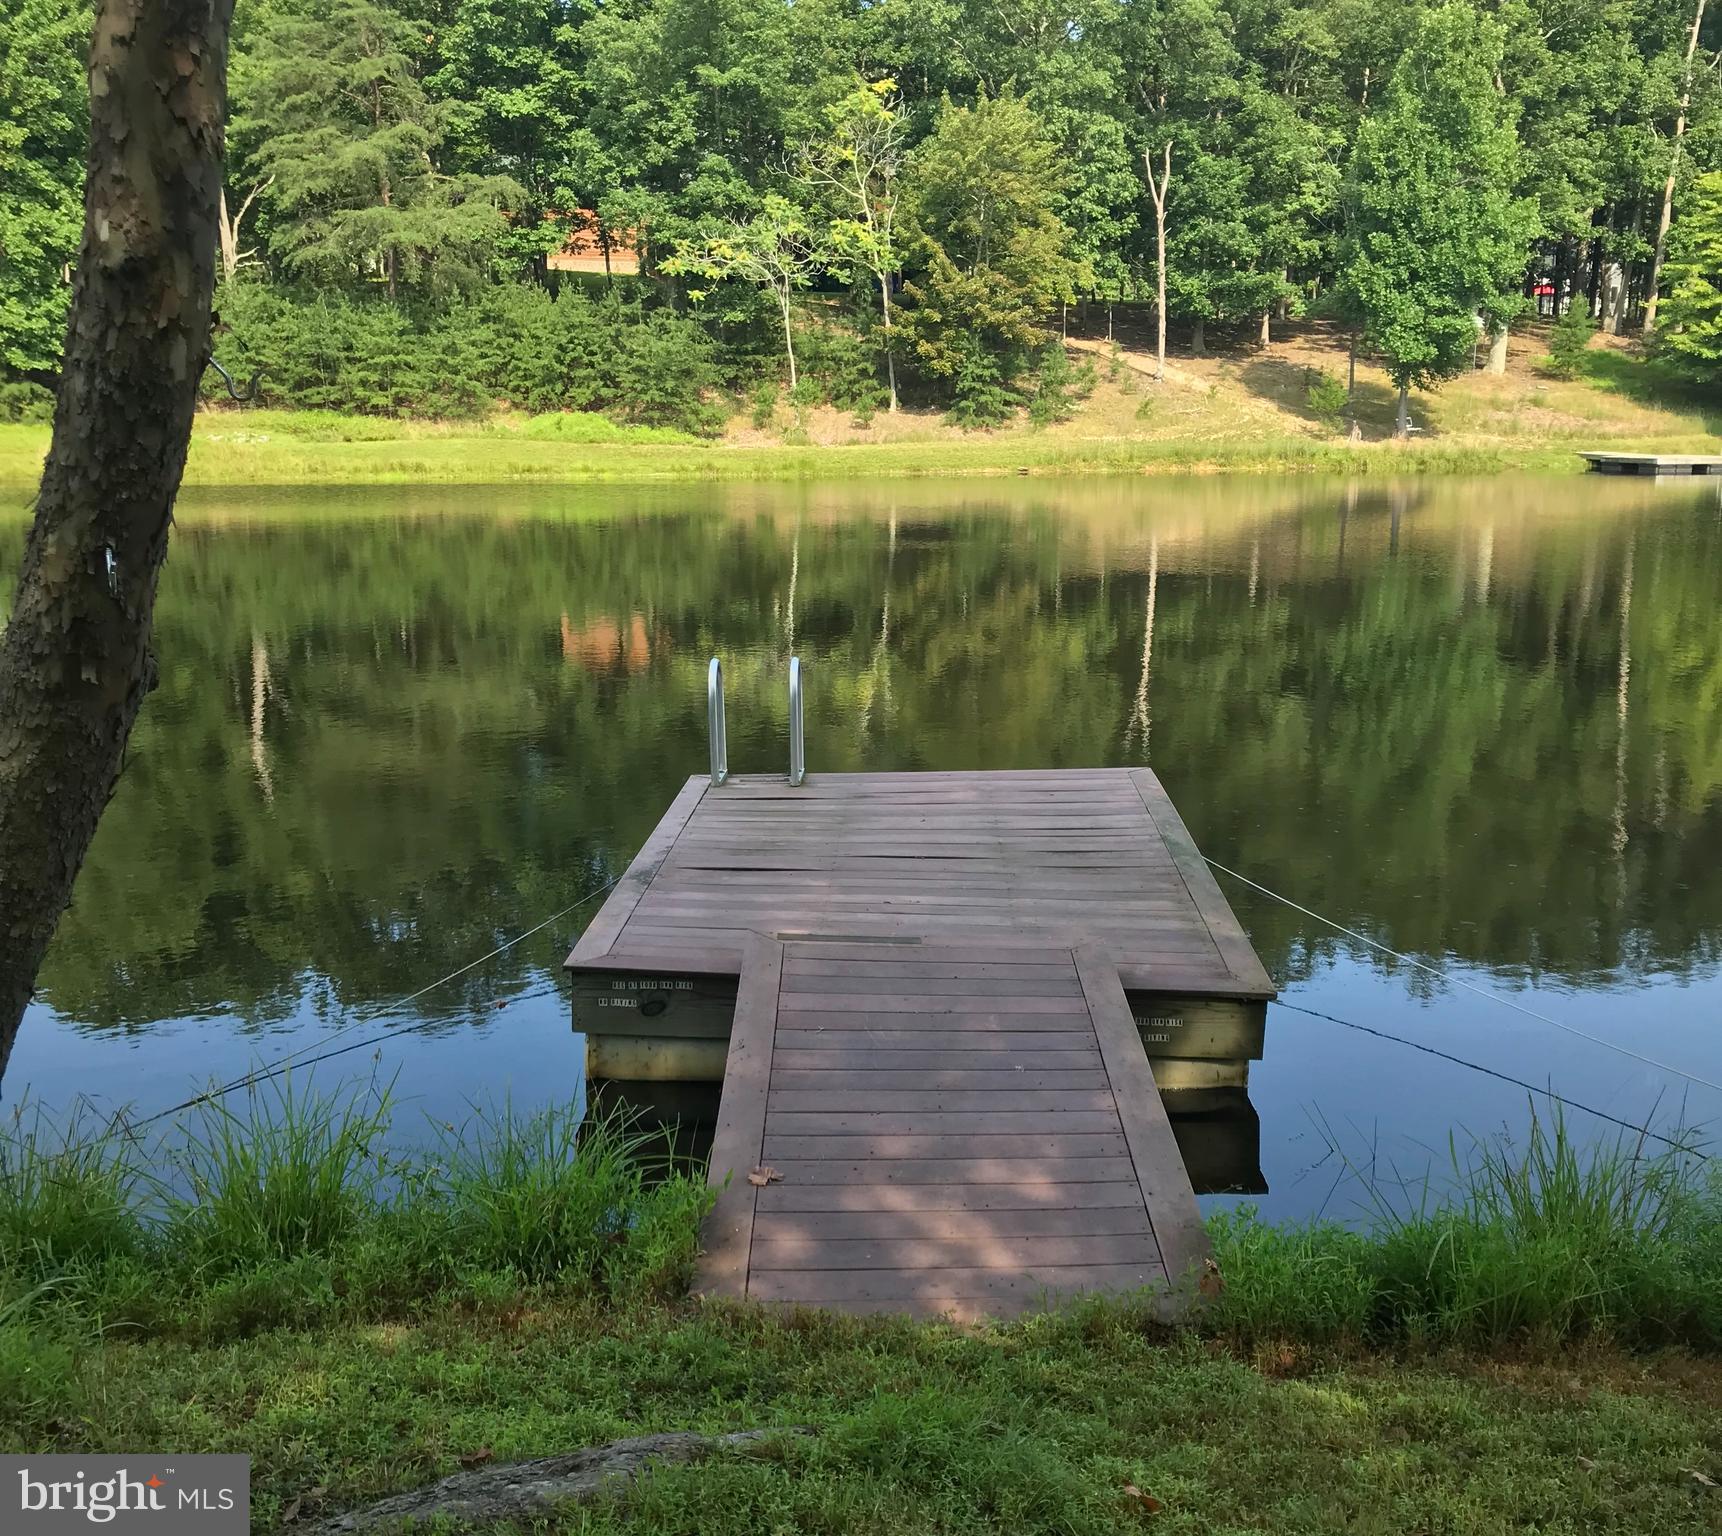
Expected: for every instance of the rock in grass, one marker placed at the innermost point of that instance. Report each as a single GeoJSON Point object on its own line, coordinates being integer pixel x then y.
{"type": "Point", "coordinates": [524, 1488]}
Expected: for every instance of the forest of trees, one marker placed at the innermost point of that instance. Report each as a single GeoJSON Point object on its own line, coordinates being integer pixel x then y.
{"type": "Point", "coordinates": [900, 200]}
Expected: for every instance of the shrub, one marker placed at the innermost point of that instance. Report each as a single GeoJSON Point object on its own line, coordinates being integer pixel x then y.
{"type": "Point", "coordinates": [1059, 386]}
{"type": "Point", "coordinates": [25, 403]}
{"type": "Point", "coordinates": [981, 394]}
{"type": "Point", "coordinates": [841, 365]}
{"type": "Point", "coordinates": [763, 403]}
{"type": "Point", "coordinates": [666, 373]}
{"type": "Point", "coordinates": [1568, 339]}
{"type": "Point", "coordinates": [514, 344]}
{"type": "Point", "coordinates": [1327, 399]}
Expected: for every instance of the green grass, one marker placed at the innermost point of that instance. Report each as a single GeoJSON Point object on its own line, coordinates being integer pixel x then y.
{"type": "Point", "coordinates": [269, 1278]}
{"type": "Point", "coordinates": [1034, 1428]}
{"type": "Point", "coordinates": [290, 1209]}
{"type": "Point", "coordinates": [1546, 1240]}
{"type": "Point", "coordinates": [258, 449]}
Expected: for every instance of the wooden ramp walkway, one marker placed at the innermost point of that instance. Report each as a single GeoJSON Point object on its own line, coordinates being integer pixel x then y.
{"type": "Point", "coordinates": [966, 1128]}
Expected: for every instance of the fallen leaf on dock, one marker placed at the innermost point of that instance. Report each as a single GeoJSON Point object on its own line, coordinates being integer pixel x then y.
{"type": "Point", "coordinates": [478, 1458]}
{"type": "Point", "coordinates": [1146, 1502]}
{"type": "Point", "coordinates": [760, 1177]}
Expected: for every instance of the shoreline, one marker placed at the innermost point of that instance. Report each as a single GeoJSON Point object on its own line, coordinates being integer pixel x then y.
{"type": "Point", "coordinates": [413, 454]}
{"type": "Point", "coordinates": [361, 1328]}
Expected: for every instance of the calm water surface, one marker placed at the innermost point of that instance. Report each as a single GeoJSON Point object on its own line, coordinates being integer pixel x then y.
{"type": "Point", "coordinates": [1479, 721]}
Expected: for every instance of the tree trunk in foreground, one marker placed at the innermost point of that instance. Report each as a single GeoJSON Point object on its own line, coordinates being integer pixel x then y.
{"type": "Point", "coordinates": [1402, 421]}
{"type": "Point", "coordinates": [75, 660]}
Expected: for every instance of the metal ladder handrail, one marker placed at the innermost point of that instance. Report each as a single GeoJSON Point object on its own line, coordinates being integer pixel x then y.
{"type": "Point", "coordinates": [797, 742]}
{"type": "Point", "coordinates": [719, 736]}
{"type": "Point", "coordinates": [715, 722]}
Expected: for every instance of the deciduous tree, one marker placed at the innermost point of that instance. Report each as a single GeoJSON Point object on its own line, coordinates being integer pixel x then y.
{"type": "Point", "coordinates": [42, 139]}
{"type": "Point", "coordinates": [75, 660]}
{"type": "Point", "coordinates": [777, 249]}
{"type": "Point", "coordinates": [1435, 234]}
{"type": "Point", "coordinates": [856, 167]}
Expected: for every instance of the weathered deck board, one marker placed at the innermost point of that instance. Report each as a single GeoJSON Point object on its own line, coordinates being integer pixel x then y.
{"type": "Point", "coordinates": [1044, 858]}
{"type": "Point", "coordinates": [959, 1190]}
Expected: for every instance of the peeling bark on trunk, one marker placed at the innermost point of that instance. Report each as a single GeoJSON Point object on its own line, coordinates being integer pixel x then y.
{"type": "Point", "coordinates": [75, 660]}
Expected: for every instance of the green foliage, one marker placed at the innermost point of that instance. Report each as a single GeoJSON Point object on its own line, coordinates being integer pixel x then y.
{"type": "Point", "coordinates": [291, 1207]}
{"type": "Point", "coordinates": [327, 351]}
{"type": "Point", "coordinates": [68, 1195]}
{"type": "Point", "coordinates": [25, 402]}
{"type": "Point", "coordinates": [989, 252]}
{"type": "Point", "coordinates": [1689, 323]}
{"type": "Point", "coordinates": [515, 345]}
{"type": "Point", "coordinates": [424, 150]}
{"type": "Point", "coordinates": [43, 131]}
{"type": "Point", "coordinates": [854, 169]}
{"type": "Point", "coordinates": [546, 1197]}
{"type": "Point", "coordinates": [665, 373]}
{"type": "Point", "coordinates": [289, 1174]}
{"type": "Point", "coordinates": [981, 396]}
{"type": "Point", "coordinates": [1035, 1427]}
{"type": "Point", "coordinates": [331, 108]}
{"type": "Point", "coordinates": [1435, 232]}
{"type": "Point", "coordinates": [1059, 386]}
{"type": "Point", "coordinates": [1569, 337]}
{"type": "Point", "coordinates": [776, 248]}
{"type": "Point", "coordinates": [843, 363]}
{"type": "Point", "coordinates": [762, 404]}
{"type": "Point", "coordinates": [1543, 1242]}
{"type": "Point", "coordinates": [1328, 400]}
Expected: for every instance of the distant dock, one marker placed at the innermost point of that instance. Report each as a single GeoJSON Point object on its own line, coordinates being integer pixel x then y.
{"type": "Point", "coordinates": [943, 1007]}
{"type": "Point", "coordinates": [1655, 464]}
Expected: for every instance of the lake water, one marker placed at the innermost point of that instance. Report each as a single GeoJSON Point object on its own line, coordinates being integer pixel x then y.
{"type": "Point", "coordinates": [1480, 722]}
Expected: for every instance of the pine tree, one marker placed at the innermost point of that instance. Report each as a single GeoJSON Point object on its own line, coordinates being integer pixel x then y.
{"type": "Point", "coordinates": [1689, 329]}
{"type": "Point", "coordinates": [332, 106]}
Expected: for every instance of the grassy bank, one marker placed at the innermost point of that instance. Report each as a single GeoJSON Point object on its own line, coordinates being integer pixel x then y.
{"type": "Point", "coordinates": [268, 451]}
{"type": "Point", "coordinates": [275, 1281]}
{"type": "Point", "coordinates": [1242, 410]}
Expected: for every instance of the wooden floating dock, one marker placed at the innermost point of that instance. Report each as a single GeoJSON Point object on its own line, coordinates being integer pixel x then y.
{"type": "Point", "coordinates": [1674, 464]}
{"type": "Point", "coordinates": [958, 1129]}
{"type": "Point", "coordinates": [943, 1007]}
